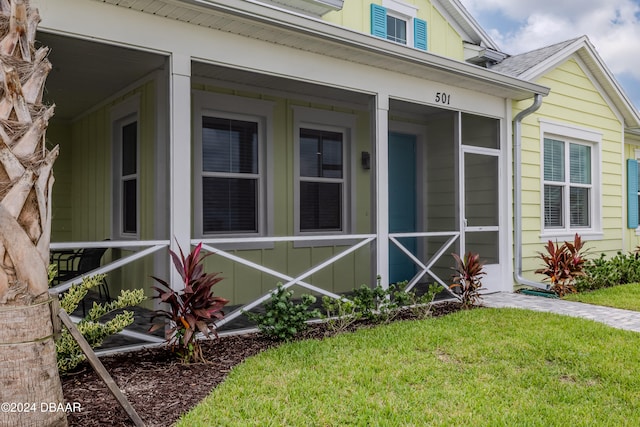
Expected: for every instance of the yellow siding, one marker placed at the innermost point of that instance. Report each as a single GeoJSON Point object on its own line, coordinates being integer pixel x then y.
{"type": "Point", "coordinates": [442, 38]}
{"type": "Point", "coordinates": [574, 101]}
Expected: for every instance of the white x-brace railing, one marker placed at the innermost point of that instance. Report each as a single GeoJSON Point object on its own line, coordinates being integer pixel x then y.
{"type": "Point", "coordinates": [364, 239]}
{"type": "Point", "coordinates": [425, 268]}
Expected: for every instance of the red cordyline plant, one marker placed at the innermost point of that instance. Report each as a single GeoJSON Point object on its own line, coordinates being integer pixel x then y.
{"type": "Point", "coordinates": [194, 308]}
{"type": "Point", "coordinates": [563, 263]}
{"type": "Point", "coordinates": [468, 273]}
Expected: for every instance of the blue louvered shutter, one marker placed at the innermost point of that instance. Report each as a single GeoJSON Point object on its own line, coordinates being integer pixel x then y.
{"type": "Point", "coordinates": [632, 193]}
{"type": "Point", "coordinates": [420, 34]}
{"type": "Point", "coordinates": [378, 21]}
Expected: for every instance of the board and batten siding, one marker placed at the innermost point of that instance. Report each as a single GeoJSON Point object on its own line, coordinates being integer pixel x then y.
{"type": "Point", "coordinates": [82, 194]}
{"type": "Point", "coordinates": [442, 38]}
{"type": "Point", "coordinates": [576, 102]}
{"type": "Point", "coordinates": [243, 284]}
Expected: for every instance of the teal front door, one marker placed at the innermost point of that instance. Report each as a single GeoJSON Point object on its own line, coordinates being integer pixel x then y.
{"type": "Point", "coordinates": [402, 203]}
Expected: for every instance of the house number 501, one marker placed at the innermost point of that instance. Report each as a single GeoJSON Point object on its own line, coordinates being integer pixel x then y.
{"type": "Point", "coordinates": [443, 98]}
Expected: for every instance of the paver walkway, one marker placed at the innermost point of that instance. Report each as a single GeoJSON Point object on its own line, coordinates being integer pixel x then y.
{"type": "Point", "coordinates": [616, 317]}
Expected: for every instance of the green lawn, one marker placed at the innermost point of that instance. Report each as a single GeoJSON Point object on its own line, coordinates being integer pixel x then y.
{"type": "Point", "coordinates": [622, 296]}
{"type": "Point", "coordinates": [497, 367]}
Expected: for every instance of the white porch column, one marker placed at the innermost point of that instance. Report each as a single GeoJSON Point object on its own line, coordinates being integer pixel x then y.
{"type": "Point", "coordinates": [382, 187]}
{"type": "Point", "coordinates": [180, 158]}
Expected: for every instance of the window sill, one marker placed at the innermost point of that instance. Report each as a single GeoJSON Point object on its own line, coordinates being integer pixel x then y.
{"type": "Point", "coordinates": [564, 235]}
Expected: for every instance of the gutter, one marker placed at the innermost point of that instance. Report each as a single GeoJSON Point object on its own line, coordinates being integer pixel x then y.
{"type": "Point", "coordinates": [517, 195]}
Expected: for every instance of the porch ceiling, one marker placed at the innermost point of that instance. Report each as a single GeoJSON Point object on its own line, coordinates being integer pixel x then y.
{"type": "Point", "coordinates": [257, 21]}
{"type": "Point", "coordinates": [85, 73]}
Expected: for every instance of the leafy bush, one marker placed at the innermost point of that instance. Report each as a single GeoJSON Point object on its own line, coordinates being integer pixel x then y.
{"type": "Point", "coordinates": [467, 278]}
{"type": "Point", "coordinates": [603, 273]}
{"type": "Point", "coordinates": [68, 351]}
{"type": "Point", "coordinates": [376, 305]}
{"type": "Point", "coordinates": [192, 309]}
{"type": "Point", "coordinates": [563, 264]}
{"type": "Point", "coordinates": [283, 318]}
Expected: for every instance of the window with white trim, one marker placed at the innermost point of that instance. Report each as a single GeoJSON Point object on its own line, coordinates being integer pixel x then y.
{"type": "Point", "coordinates": [231, 172]}
{"type": "Point", "coordinates": [397, 21]}
{"type": "Point", "coordinates": [126, 169]}
{"type": "Point", "coordinates": [570, 172]}
{"type": "Point", "coordinates": [568, 185]}
{"type": "Point", "coordinates": [323, 182]}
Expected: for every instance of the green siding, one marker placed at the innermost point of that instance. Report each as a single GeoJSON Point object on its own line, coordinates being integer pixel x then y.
{"type": "Point", "coordinates": [243, 284]}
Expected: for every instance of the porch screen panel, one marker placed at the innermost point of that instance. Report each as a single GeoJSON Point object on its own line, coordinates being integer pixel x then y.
{"type": "Point", "coordinates": [321, 180]}
{"type": "Point", "coordinates": [230, 181]}
{"type": "Point", "coordinates": [478, 131]}
{"type": "Point", "coordinates": [481, 190]}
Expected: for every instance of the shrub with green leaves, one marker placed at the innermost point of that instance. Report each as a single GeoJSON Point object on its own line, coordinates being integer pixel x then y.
{"type": "Point", "coordinates": [284, 318]}
{"type": "Point", "coordinates": [603, 273]}
{"type": "Point", "coordinates": [93, 330]}
{"type": "Point", "coordinates": [377, 304]}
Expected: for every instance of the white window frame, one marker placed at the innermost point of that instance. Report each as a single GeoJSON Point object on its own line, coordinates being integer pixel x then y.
{"type": "Point", "coordinates": [404, 11]}
{"type": "Point", "coordinates": [572, 134]}
{"type": "Point", "coordinates": [211, 104]}
{"type": "Point", "coordinates": [124, 114]}
{"type": "Point", "coordinates": [308, 118]}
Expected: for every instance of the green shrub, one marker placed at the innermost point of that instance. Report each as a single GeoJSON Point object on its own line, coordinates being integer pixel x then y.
{"type": "Point", "coordinates": [378, 305]}
{"type": "Point", "coordinates": [283, 318]}
{"type": "Point", "coordinates": [603, 273]}
{"type": "Point", "coordinates": [68, 351]}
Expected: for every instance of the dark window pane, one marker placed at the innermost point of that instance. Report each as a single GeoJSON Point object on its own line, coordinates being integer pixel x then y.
{"type": "Point", "coordinates": [129, 206]}
{"type": "Point", "coordinates": [129, 149]}
{"type": "Point", "coordinates": [320, 206]}
{"type": "Point", "coordinates": [396, 29]}
{"type": "Point", "coordinates": [321, 154]}
{"type": "Point", "coordinates": [229, 205]}
{"type": "Point", "coordinates": [229, 145]}
{"type": "Point", "coordinates": [579, 206]}
{"type": "Point", "coordinates": [553, 216]}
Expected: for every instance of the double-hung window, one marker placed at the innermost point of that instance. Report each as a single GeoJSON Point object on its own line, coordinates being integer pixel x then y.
{"type": "Point", "coordinates": [397, 21]}
{"type": "Point", "coordinates": [126, 169]}
{"type": "Point", "coordinates": [230, 175]}
{"type": "Point", "coordinates": [322, 180]}
{"type": "Point", "coordinates": [323, 176]}
{"type": "Point", "coordinates": [230, 164]}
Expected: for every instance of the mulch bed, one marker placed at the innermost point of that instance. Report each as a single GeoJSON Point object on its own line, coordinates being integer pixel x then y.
{"type": "Point", "coordinates": [161, 388]}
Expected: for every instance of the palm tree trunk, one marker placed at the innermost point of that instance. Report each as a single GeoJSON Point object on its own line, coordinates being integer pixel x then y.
{"type": "Point", "coordinates": [29, 380]}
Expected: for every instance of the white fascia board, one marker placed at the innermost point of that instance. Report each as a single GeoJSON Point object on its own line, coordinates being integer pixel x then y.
{"type": "Point", "coordinates": [460, 17]}
{"type": "Point", "coordinates": [323, 30]}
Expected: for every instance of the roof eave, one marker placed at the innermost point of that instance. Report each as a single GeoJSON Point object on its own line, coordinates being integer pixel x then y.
{"type": "Point", "coordinates": [506, 86]}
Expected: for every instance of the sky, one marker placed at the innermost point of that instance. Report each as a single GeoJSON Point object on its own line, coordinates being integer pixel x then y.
{"type": "Point", "coordinates": [613, 27]}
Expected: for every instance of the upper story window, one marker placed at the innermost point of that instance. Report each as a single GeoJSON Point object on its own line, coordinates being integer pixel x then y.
{"type": "Point", "coordinates": [397, 21]}
{"type": "Point", "coordinates": [571, 199]}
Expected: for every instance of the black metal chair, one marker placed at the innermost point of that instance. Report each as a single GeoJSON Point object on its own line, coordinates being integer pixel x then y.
{"type": "Point", "coordinates": [80, 263]}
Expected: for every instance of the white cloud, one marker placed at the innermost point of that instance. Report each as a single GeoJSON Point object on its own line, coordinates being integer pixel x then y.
{"type": "Point", "coordinates": [613, 26]}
